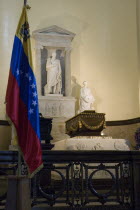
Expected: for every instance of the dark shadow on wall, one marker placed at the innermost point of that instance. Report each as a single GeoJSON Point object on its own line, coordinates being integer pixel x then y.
{"type": "Point", "coordinates": [44, 55]}
{"type": "Point", "coordinates": [76, 91]}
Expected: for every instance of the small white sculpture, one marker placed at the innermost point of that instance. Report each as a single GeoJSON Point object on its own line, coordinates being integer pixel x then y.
{"type": "Point", "coordinates": [54, 76]}
{"type": "Point", "coordinates": [86, 98]}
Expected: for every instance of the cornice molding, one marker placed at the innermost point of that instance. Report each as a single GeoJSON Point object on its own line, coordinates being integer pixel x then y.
{"type": "Point", "coordinates": [123, 122]}
{"type": "Point", "coordinates": [108, 123]}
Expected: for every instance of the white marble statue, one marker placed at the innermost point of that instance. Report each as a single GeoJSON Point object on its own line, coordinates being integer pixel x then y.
{"type": "Point", "coordinates": [54, 75]}
{"type": "Point", "coordinates": [86, 98]}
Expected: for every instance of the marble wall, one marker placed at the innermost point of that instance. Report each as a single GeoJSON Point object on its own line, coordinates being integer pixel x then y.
{"type": "Point", "coordinates": [5, 137]}
{"type": "Point", "coordinates": [123, 132]}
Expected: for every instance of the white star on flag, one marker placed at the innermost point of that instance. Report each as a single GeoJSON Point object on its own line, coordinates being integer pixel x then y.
{"type": "Point", "coordinates": [34, 103]}
{"type": "Point", "coordinates": [17, 71]}
{"type": "Point", "coordinates": [33, 85]}
{"type": "Point", "coordinates": [30, 78]}
{"type": "Point", "coordinates": [31, 111]}
{"type": "Point", "coordinates": [35, 94]}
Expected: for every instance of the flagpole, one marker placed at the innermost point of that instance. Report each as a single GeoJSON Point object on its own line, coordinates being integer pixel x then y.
{"type": "Point", "coordinates": [25, 2]}
{"type": "Point", "coordinates": [19, 164]}
{"type": "Point", "coordinates": [26, 5]}
{"type": "Point", "coordinates": [19, 107]}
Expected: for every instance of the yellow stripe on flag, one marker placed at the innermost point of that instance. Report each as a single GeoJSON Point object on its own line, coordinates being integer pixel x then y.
{"type": "Point", "coordinates": [22, 30]}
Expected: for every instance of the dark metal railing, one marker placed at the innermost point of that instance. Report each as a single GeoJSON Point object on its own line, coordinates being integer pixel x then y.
{"type": "Point", "coordinates": [8, 166]}
{"type": "Point", "coordinates": [82, 179]}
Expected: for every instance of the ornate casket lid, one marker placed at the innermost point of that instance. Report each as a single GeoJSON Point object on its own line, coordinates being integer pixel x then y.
{"type": "Point", "coordinates": [86, 123]}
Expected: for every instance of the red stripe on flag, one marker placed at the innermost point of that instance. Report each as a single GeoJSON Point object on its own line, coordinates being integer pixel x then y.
{"type": "Point", "coordinates": [27, 138]}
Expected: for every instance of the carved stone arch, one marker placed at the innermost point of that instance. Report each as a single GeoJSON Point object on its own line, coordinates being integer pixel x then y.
{"type": "Point", "coordinates": [59, 39]}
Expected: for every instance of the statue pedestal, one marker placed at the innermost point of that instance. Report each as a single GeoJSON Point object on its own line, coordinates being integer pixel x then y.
{"type": "Point", "coordinates": [60, 108]}
{"type": "Point", "coordinates": [55, 105]}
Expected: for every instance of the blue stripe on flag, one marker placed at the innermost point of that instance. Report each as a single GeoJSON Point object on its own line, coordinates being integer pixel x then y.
{"type": "Point", "coordinates": [27, 84]}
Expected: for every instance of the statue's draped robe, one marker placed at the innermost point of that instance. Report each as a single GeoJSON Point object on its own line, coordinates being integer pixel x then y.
{"type": "Point", "coordinates": [86, 99]}
{"type": "Point", "coordinates": [54, 75]}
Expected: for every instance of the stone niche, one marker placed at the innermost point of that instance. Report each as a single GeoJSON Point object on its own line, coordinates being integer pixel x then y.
{"type": "Point", "coordinates": [58, 105]}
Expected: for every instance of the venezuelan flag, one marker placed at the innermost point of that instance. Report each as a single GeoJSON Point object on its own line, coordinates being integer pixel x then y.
{"type": "Point", "coordinates": [22, 98]}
